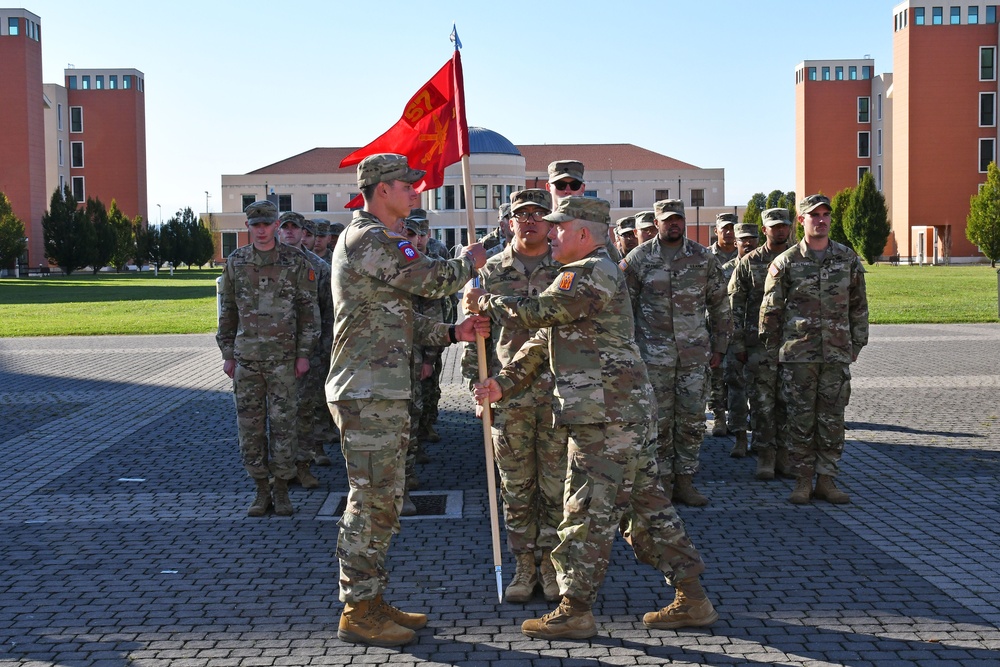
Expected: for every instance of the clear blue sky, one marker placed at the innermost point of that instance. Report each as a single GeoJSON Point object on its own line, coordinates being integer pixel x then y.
{"type": "Point", "coordinates": [232, 86]}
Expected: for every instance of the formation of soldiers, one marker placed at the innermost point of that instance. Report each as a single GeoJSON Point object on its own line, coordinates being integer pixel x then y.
{"type": "Point", "coordinates": [592, 329]}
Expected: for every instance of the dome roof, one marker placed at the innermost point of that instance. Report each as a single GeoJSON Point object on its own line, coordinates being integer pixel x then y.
{"type": "Point", "coordinates": [482, 140]}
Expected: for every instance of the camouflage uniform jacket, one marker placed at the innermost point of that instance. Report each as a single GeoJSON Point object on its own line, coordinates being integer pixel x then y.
{"type": "Point", "coordinates": [722, 255]}
{"type": "Point", "coordinates": [698, 305]}
{"type": "Point", "coordinates": [817, 311]}
{"type": "Point", "coordinates": [588, 342]}
{"type": "Point", "coordinates": [375, 274]}
{"type": "Point", "coordinates": [325, 299]}
{"type": "Point", "coordinates": [729, 267]}
{"type": "Point", "coordinates": [505, 275]}
{"type": "Point", "coordinates": [746, 291]}
{"type": "Point", "coordinates": [268, 307]}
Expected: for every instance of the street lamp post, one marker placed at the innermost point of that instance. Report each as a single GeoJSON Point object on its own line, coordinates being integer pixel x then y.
{"type": "Point", "coordinates": [160, 209]}
{"type": "Point", "coordinates": [206, 201]}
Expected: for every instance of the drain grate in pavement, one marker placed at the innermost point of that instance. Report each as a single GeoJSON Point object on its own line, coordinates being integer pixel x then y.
{"type": "Point", "coordinates": [430, 505]}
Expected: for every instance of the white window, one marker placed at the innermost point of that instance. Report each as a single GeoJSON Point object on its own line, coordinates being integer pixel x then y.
{"type": "Point", "coordinates": [79, 192]}
{"type": "Point", "coordinates": [75, 119]}
{"type": "Point", "coordinates": [76, 154]}
{"type": "Point", "coordinates": [987, 109]}
{"type": "Point", "coordinates": [864, 144]}
{"type": "Point", "coordinates": [987, 63]}
{"type": "Point", "coordinates": [987, 154]}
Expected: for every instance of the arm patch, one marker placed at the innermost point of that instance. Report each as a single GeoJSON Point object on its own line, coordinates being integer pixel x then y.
{"type": "Point", "coordinates": [773, 270]}
{"type": "Point", "coordinates": [566, 281]}
{"type": "Point", "coordinates": [312, 276]}
{"type": "Point", "coordinates": [409, 252]}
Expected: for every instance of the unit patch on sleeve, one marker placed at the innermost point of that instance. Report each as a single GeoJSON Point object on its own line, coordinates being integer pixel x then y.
{"type": "Point", "coordinates": [566, 281]}
{"type": "Point", "coordinates": [773, 270]}
{"type": "Point", "coordinates": [312, 276]}
{"type": "Point", "coordinates": [409, 252]}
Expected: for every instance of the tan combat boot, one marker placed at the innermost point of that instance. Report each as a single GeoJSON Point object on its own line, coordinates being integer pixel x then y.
{"type": "Point", "coordinates": [430, 435]}
{"type": "Point", "coordinates": [409, 509]}
{"type": "Point", "coordinates": [412, 482]}
{"type": "Point", "coordinates": [691, 608]}
{"type": "Point", "coordinates": [686, 493]}
{"type": "Point", "coordinates": [364, 622]}
{"type": "Point", "coordinates": [782, 466]}
{"type": "Point", "coordinates": [262, 502]}
{"type": "Point", "coordinates": [803, 488]}
{"type": "Point", "coordinates": [828, 491]}
{"type": "Point", "coordinates": [319, 456]}
{"type": "Point", "coordinates": [282, 504]}
{"type": "Point", "coordinates": [572, 619]}
{"type": "Point", "coordinates": [719, 427]}
{"type": "Point", "coordinates": [765, 464]}
{"type": "Point", "coordinates": [525, 579]}
{"type": "Point", "coordinates": [547, 573]}
{"type": "Point", "coordinates": [740, 446]}
{"type": "Point", "coordinates": [305, 476]}
{"type": "Point", "coordinates": [406, 619]}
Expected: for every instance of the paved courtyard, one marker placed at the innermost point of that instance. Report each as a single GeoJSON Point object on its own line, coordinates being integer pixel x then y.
{"type": "Point", "coordinates": [124, 539]}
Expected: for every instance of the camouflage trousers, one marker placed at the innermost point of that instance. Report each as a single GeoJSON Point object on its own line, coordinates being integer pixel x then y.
{"type": "Point", "coordinates": [431, 392]}
{"type": "Point", "coordinates": [373, 441]}
{"type": "Point", "coordinates": [415, 408]}
{"type": "Point", "coordinates": [717, 397]}
{"type": "Point", "coordinates": [266, 394]}
{"type": "Point", "coordinates": [680, 419]}
{"type": "Point", "coordinates": [613, 482]}
{"type": "Point", "coordinates": [737, 407]}
{"type": "Point", "coordinates": [531, 457]}
{"type": "Point", "coordinates": [816, 396]}
{"type": "Point", "coordinates": [315, 425]}
{"type": "Point", "coordinates": [767, 407]}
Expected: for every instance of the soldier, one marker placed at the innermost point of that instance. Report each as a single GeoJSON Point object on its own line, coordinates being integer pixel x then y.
{"type": "Point", "coordinates": [495, 241]}
{"type": "Point", "coordinates": [529, 451]}
{"type": "Point", "coordinates": [737, 412]}
{"type": "Point", "coordinates": [645, 226]}
{"type": "Point", "coordinates": [566, 180]}
{"type": "Point", "coordinates": [815, 311]}
{"type": "Point", "coordinates": [682, 324]}
{"type": "Point", "coordinates": [268, 329]}
{"type": "Point", "coordinates": [746, 291]}
{"type": "Point", "coordinates": [724, 249]}
{"type": "Point", "coordinates": [603, 399]}
{"type": "Point", "coordinates": [336, 229]}
{"type": "Point", "coordinates": [625, 233]}
{"type": "Point", "coordinates": [376, 272]}
{"type": "Point", "coordinates": [322, 246]}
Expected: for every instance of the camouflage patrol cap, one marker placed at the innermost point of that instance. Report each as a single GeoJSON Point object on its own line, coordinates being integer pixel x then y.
{"type": "Point", "coordinates": [668, 207]}
{"type": "Point", "coordinates": [565, 169]}
{"type": "Point", "coordinates": [530, 197]}
{"type": "Point", "coordinates": [416, 226]}
{"type": "Point", "coordinates": [322, 226]}
{"type": "Point", "coordinates": [503, 213]}
{"type": "Point", "coordinates": [417, 214]}
{"type": "Point", "coordinates": [386, 167]}
{"type": "Point", "coordinates": [590, 209]}
{"type": "Point", "coordinates": [724, 219]}
{"type": "Point", "coordinates": [292, 218]}
{"type": "Point", "coordinates": [813, 202]}
{"type": "Point", "coordinates": [645, 219]}
{"type": "Point", "coordinates": [309, 226]}
{"type": "Point", "coordinates": [261, 213]}
{"type": "Point", "coordinates": [625, 224]}
{"type": "Point", "coordinates": [775, 216]}
{"type": "Point", "coordinates": [336, 228]}
{"type": "Point", "coordinates": [746, 230]}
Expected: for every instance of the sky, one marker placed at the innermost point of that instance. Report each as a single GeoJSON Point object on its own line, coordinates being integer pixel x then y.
{"type": "Point", "coordinates": [232, 86]}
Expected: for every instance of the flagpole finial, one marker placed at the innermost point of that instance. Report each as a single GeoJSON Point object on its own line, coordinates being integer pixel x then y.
{"type": "Point", "coordinates": [454, 37]}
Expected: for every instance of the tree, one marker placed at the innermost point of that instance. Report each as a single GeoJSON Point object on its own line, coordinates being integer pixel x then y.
{"type": "Point", "coordinates": [982, 226]}
{"type": "Point", "coordinates": [12, 241]}
{"type": "Point", "coordinates": [787, 202]}
{"type": "Point", "coordinates": [202, 244]}
{"type": "Point", "coordinates": [840, 202]}
{"type": "Point", "coordinates": [772, 199]}
{"type": "Point", "coordinates": [69, 234]}
{"type": "Point", "coordinates": [147, 244]}
{"type": "Point", "coordinates": [751, 216]}
{"type": "Point", "coordinates": [104, 235]}
{"type": "Point", "coordinates": [124, 237]}
{"type": "Point", "coordinates": [866, 220]}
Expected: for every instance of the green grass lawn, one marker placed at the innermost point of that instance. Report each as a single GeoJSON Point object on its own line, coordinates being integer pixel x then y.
{"type": "Point", "coordinates": [138, 303]}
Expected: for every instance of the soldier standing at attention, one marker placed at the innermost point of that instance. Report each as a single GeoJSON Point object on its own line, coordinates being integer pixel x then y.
{"type": "Point", "coordinates": [724, 249]}
{"type": "Point", "coordinates": [625, 233]}
{"type": "Point", "coordinates": [645, 226]}
{"type": "Point", "coordinates": [815, 312]}
{"type": "Point", "coordinates": [737, 408]}
{"type": "Point", "coordinates": [603, 399]}
{"type": "Point", "coordinates": [336, 229]}
{"type": "Point", "coordinates": [376, 273]}
{"type": "Point", "coordinates": [682, 323]}
{"type": "Point", "coordinates": [322, 245]}
{"type": "Point", "coordinates": [746, 291]}
{"type": "Point", "coordinates": [268, 328]}
{"type": "Point", "coordinates": [530, 452]}
{"type": "Point", "coordinates": [566, 180]}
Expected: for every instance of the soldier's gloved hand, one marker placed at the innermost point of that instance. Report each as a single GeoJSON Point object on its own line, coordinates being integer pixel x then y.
{"type": "Point", "coordinates": [470, 299]}
{"type": "Point", "coordinates": [478, 253]}
{"type": "Point", "coordinates": [301, 367]}
{"type": "Point", "coordinates": [487, 391]}
{"type": "Point", "coordinates": [467, 329]}
{"type": "Point", "coordinates": [229, 367]}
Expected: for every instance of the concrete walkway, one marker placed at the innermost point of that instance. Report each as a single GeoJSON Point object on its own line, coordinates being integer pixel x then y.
{"type": "Point", "coordinates": [124, 540]}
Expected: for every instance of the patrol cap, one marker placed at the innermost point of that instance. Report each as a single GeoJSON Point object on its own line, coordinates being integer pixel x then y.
{"type": "Point", "coordinates": [724, 219]}
{"type": "Point", "coordinates": [292, 218]}
{"type": "Point", "coordinates": [530, 197]}
{"type": "Point", "coordinates": [590, 209]}
{"type": "Point", "coordinates": [415, 225]}
{"type": "Point", "coordinates": [385, 167]}
{"type": "Point", "coordinates": [336, 228]}
{"type": "Point", "coordinates": [322, 227]}
{"type": "Point", "coordinates": [813, 202]}
{"type": "Point", "coordinates": [746, 230]}
{"type": "Point", "coordinates": [625, 224]}
{"type": "Point", "coordinates": [565, 169]}
{"type": "Point", "coordinates": [668, 207]}
{"type": "Point", "coordinates": [645, 219]}
{"type": "Point", "coordinates": [417, 214]}
{"type": "Point", "coordinates": [503, 213]}
{"type": "Point", "coordinates": [309, 226]}
{"type": "Point", "coordinates": [773, 217]}
{"type": "Point", "coordinates": [261, 213]}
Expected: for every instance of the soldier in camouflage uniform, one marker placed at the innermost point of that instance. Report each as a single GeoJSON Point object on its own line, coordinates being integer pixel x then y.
{"type": "Point", "coordinates": [566, 180]}
{"type": "Point", "coordinates": [268, 328]}
{"type": "Point", "coordinates": [336, 229]}
{"type": "Point", "coordinates": [746, 291]}
{"type": "Point", "coordinates": [321, 248]}
{"type": "Point", "coordinates": [530, 452]}
{"type": "Point", "coordinates": [815, 312]}
{"type": "Point", "coordinates": [376, 272]}
{"type": "Point", "coordinates": [431, 386]}
{"type": "Point", "coordinates": [737, 408]}
{"type": "Point", "coordinates": [603, 399]}
{"type": "Point", "coordinates": [625, 234]}
{"type": "Point", "coordinates": [495, 241]}
{"type": "Point", "coordinates": [645, 226]}
{"type": "Point", "coordinates": [682, 327]}
{"type": "Point", "coordinates": [724, 249]}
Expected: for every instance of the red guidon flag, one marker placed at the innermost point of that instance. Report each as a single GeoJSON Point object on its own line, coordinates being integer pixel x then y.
{"type": "Point", "coordinates": [432, 133]}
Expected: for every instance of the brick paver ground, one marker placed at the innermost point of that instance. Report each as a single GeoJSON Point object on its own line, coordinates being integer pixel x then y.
{"type": "Point", "coordinates": [124, 540]}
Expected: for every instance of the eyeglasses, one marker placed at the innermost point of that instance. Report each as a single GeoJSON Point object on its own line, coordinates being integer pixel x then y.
{"type": "Point", "coordinates": [524, 216]}
{"type": "Point", "coordinates": [568, 185]}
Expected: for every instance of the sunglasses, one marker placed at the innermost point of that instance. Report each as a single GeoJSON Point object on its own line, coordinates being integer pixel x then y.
{"type": "Point", "coordinates": [568, 185]}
